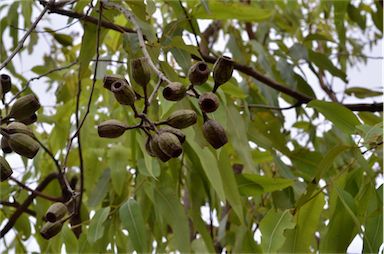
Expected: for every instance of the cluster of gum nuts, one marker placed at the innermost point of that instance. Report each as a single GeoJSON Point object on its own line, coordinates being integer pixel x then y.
{"type": "Point", "coordinates": [166, 142]}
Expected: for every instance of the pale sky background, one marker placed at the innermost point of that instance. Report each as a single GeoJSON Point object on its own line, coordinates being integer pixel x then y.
{"type": "Point", "coordinates": [369, 76]}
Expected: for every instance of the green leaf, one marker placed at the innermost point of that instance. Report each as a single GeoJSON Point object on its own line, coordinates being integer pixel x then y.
{"type": "Point", "coordinates": [322, 61]}
{"type": "Point", "coordinates": [272, 228]}
{"type": "Point", "coordinates": [69, 239]}
{"type": "Point", "coordinates": [96, 227]}
{"type": "Point", "coordinates": [132, 219]}
{"type": "Point", "coordinates": [307, 220]}
{"type": "Point", "coordinates": [219, 10]}
{"type": "Point", "coordinates": [362, 92]}
{"type": "Point", "coordinates": [118, 167]}
{"type": "Point", "coordinates": [101, 189]}
{"type": "Point", "coordinates": [172, 211]}
{"type": "Point", "coordinates": [252, 184]}
{"type": "Point", "coordinates": [339, 115]}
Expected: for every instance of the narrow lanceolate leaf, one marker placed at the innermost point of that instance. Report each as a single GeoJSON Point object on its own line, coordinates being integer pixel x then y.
{"type": "Point", "coordinates": [230, 10]}
{"type": "Point", "coordinates": [132, 219]}
{"type": "Point", "coordinates": [171, 210]}
{"type": "Point", "coordinates": [339, 115]}
{"type": "Point", "coordinates": [252, 184]}
{"type": "Point", "coordinates": [96, 227]}
{"type": "Point", "coordinates": [307, 220]}
{"type": "Point", "coordinates": [272, 228]}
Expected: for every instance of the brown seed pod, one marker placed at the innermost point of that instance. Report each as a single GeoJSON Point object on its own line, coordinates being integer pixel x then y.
{"type": "Point", "coordinates": [50, 229]}
{"type": "Point", "coordinates": [5, 146]}
{"type": "Point", "coordinates": [222, 70]}
{"type": "Point", "coordinates": [148, 147]}
{"type": "Point", "coordinates": [17, 127]}
{"type": "Point", "coordinates": [123, 92]}
{"type": "Point", "coordinates": [198, 74]}
{"type": "Point", "coordinates": [181, 119]}
{"type": "Point", "coordinates": [179, 134]}
{"type": "Point", "coordinates": [154, 144]}
{"type": "Point", "coordinates": [140, 71]}
{"type": "Point", "coordinates": [56, 212]}
{"type": "Point", "coordinates": [23, 145]}
{"type": "Point", "coordinates": [170, 144]}
{"type": "Point", "coordinates": [209, 102]}
{"type": "Point", "coordinates": [109, 79]}
{"type": "Point", "coordinates": [30, 120]}
{"type": "Point", "coordinates": [111, 129]}
{"type": "Point", "coordinates": [5, 83]}
{"type": "Point", "coordinates": [5, 169]}
{"type": "Point", "coordinates": [214, 133]}
{"type": "Point", "coordinates": [24, 107]}
{"type": "Point", "coordinates": [174, 91]}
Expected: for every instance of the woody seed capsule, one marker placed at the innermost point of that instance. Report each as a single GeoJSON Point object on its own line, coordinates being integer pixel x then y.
{"type": "Point", "coordinates": [30, 120]}
{"type": "Point", "coordinates": [181, 119]}
{"type": "Point", "coordinates": [148, 147]}
{"type": "Point", "coordinates": [154, 144]}
{"type": "Point", "coordinates": [111, 129]}
{"type": "Point", "coordinates": [170, 144]}
{"type": "Point", "coordinates": [24, 107]}
{"type": "Point", "coordinates": [174, 91]}
{"type": "Point", "coordinates": [198, 74]}
{"type": "Point", "coordinates": [123, 92]}
{"type": "Point", "coordinates": [109, 79]}
{"type": "Point", "coordinates": [50, 229]}
{"type": "Point", "coordinates": [17, 127]}
{"type": "Point", "coordinates": [140, 71]}
{"type": "Point", "coordinates": [56, 212]}
{"type": "Point", "coordinates": [222, 70]}
{"type": "Point", "coordinates": [5, 146]}
{"type": "Point", "coordinates": [209, 102]}
{"type": "Point", "coordinates": [5, 83]}
{"type": "Point", "coordinates": [214, 133]}
{"type": "Point", "coordinates": [23, 145]}
{"type": "Point", "coordinates": [5, 169]}
{"type": "Point", "coordinates": [179, 134]}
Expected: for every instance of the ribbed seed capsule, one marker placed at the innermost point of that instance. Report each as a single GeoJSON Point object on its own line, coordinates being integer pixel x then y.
{"type": "Point", "coordinates": [17, 127]}
{"type": "Point", "coordinates": [5, 169]}
{"type": "Point", "coordinates": [179, 134]}
{"type": "Point", "coordinates": [111, 129]}
{"type": "Point", "coordinates": [174, 91]}
{"type": "Point", "coordinates": [209, 102]}
{"type": "Point", "coordinates": [140, 71]}
{"type": "Point", "coordinates": [56, 212]}
{"type": "Point", "coordinates": [170, 144]}
{"type": "Point", "coordinates": [214, 133]}
{"type": "Point", "coordinates": [5, 146]}
{"type": "Point", "coordinates": [23, 145]}
{"type": "Point", "coordinates": [154, 144]}
{"type": "Point", "coordinates": [50, 229]}
{"type": "Point", "coordinates": [181, 119]}
{"type": "Point", "coordinates": [198, 74]}
{"type": "Point", "coordinates": [109, 79]}
{"type": "Point", "coordinates": [222, 70]}
{"type": "Point", "coordinates": [5, 83]}
{"type": "Point", "coordinates": [24, 107]}
{"type": "Point", "coordinates": [123, 92]}
{"type": "Point", "coordinates": [29, 120]}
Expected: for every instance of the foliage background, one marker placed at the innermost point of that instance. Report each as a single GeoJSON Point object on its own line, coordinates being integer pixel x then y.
{"type": "Point", "coordinates": [280, 160]}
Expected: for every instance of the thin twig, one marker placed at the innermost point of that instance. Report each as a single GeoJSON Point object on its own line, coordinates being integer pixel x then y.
{"type": "Point", "coordinates": [17, 205]}
{"type": "Point", "coordinates": [260, 106]}
{"type": "Point", "coordinates": [157, 87]}
{"type": "Point", "coordinates": [37, 193]}
{"type": "Point", "coordinates": [20, 45]}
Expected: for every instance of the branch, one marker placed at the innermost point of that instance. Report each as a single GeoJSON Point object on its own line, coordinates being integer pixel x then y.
{"type": "Point", "coordinates": [36, 193]}
{"type": "Point", "coordinates": [20, 45]}
{"type": "Point", "coordinates": [260, 106]}
{"type": "Point", "coordinates": [17, 205]}
{"type": "Point", "coordinates": [24, 206]}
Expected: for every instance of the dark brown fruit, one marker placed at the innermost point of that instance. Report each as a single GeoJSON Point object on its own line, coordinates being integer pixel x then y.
{"type": "Point", "coordinates": [5, 146]}
{"type": "Point", "coordinates": [198, 74]}
{"type": "Point", "coordinates": [5, 169]}
{"type": "Point", "coordinates": [222, 70]}
{"type": "Point", "coordinates": [174, 91]}
{"type": "Point", "coordinates": [209, 102]}
{"type": "Point", "coordinates": [140, 71]}
{"type": "Point", "coordinates": [29, 120]}
{"type": "Point", "coordinates": [214, 133]}
{"type": "Point", "coordinates": [24, 107]}
{"type": "Point", "coordinates": [50, 229]}
{"type": "Point", "coordinates": [17, 127]}
{"type": "Point", "coordinates": [179, 134]}
{"type": "Point", "coordinates": [156, 149]}
{"type": "Point", "coordinates": [148, 147]}
{"type": "Point", "coordinates": [23, 145]}
{"type": "Point", "coordinates": [108, 80]}
{"type": "Point", "coordinates": [5, 83]}
{"type": "Point", "coordinates": [111, 129]}
{"type": "Point", "coordinates": [170, 144]}
{"type": "Point", "coordinates": [56, 212]}
{"type": "Point", "coordinates": [123, 92]}
{"type": "Point", "coordinates": [181, 119]}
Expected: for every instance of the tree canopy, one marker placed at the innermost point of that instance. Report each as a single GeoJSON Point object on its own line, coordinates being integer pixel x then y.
{"type": "Point", "coordinates": [190, 126]}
